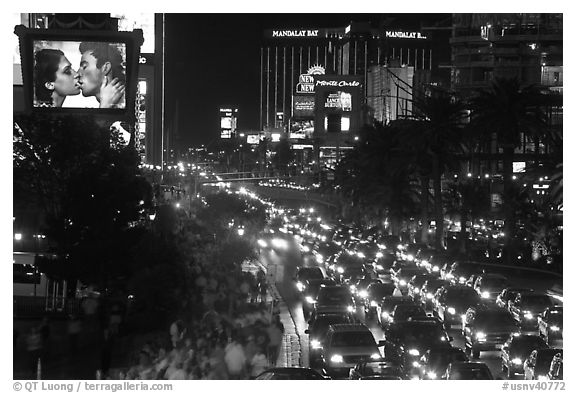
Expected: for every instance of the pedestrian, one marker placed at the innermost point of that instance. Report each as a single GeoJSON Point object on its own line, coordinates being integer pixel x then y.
{"type": "Point", "coordinates": [73, 328]}
{"type": "Point", "coordinates": [177, 332]}
{"type": "Point", "coordinates": [34, 348]}
{"type": "Point", "coordinates": [44, 329]}
{"type": "Point", "coordinates": [235, 360]}
{"type": "Point", "coordinates": [275, 339]}
{"type": "Point", "coordinates": [259, 363]}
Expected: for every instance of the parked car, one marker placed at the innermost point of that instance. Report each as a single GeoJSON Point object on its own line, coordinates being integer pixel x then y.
{"type": "Point", "coordinates": [468, 371]}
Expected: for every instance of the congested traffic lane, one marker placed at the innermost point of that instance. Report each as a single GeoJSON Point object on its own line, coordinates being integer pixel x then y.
{"type": "Point", "coordinates": [291, 295]}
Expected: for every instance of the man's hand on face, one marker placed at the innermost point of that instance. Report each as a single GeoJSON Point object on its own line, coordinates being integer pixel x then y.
{"type": "Point", "coordinates": [111, 92]}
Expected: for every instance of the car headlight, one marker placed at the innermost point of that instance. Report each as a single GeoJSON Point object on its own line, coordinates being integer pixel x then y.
{"type": "Point", "coordinates": [363, 293]}
{"type": "Point", "coordinates": [352, 287]}
{"type": "Point", "coordinates": [340, 270]}
{"type": "Point", "coordinates": [486, 295]}
{"type": "Point", "coordinates": [373, 303]}
{"type": "Point", "coordinates": [528, 315]}
{"type": "Point", "coordinates": [375, 356]}
{"type": "Point", "coordinates": [305, 248]}
{"type": "Point", "coordinates": [431, 375]}
{"type": "Point", "coordinates": [451, 310]}
{"type": "Point", "coordinates": [429, 295]}
{"type": "Point", "coordinates": [415, 364]}
{"type": "Point", "coordinates": [379, 267]}
{"type": "Point", "coordinates": [416, 290]}
{"type": "Point", "coordinates": [462, 280]}
{"type": "Point", "coordinates": [554, 328]}
{"type": "Point", "coordinates": [310, 300]}
{"type": "Point", "coordinates": [410, 257]}
{"type": "Point", "coordinates": [315, 344]}
{"type": "Point", "coordinates": [480, 335]}
{"type": "Point", "coordinates": [435, 268]}
{"type": "Point", "coordinates": [300, 286]}
{"type": "Point", "coordinates": [361, 254]}
{"type": "Point", "coordinates": [337, 359]}
{"type": "Point", "coordinates": [517, 361]}
{"type": "Point", "coordinates": [350, 308]}
{"type": "Point", "coordinates": [402, 283]}
{"type": "Point", "coordinates": [449, 275]}
{"type": "Point", "coordinates": [385, 315]}
{"type": "Point", "coordinates": [400, 247]}
{"type": "Point", "coordinates": [379, 254]}
{"type": "Point", "coordinates": [414, 352]}
{"type": "Point", "coordinates": [319, 258]}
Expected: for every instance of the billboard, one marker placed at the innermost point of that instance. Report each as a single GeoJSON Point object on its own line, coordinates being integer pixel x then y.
{"type": "Point", "coordinates": [253, 139]}
{"type": "Point", "coordinates": [301, 129]}
{"type": "Point", "coordinates": [68, 71]}
{"type": "Point", "coordinates": [302, 106]}
{"type": "Point", "coordinates": [339, 100]}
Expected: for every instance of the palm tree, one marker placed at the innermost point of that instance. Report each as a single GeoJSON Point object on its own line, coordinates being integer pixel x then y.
{"type": "Point", "coordinates": [508, 111]}
{"type": "Point", "coordinates": [436, 141]}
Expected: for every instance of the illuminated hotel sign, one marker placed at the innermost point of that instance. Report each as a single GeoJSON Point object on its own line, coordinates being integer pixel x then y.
{"type": "Point", "coordinates": [301, 33]}
{"type": "Point", "coordinates": [306, 81]}
{"type": "Point", "coordinates": [338, 83]}
{"type": "Point", "coordinates": [412, 35]}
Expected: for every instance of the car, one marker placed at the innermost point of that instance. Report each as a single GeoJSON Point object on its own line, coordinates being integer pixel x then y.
{"type": "Point", "coordinates": [407, 341]}
{"type": "Point", "coordinates": [556, 368]}
{"type": "Point", "coordinates": [306, 273]}
{"type": "Point", "coordinates": [405, 312]}
{"type": "Point", "coordinates": [368, 250]}
{"type": "Point", "coordinates": [433, 364]}
{"type": "Point", "coordinates": [515, 351]}
{"type": "Point", "coordinates": [416, 283]}
{"type": "Point", "coordinates": [310, 293]}
{"type": "Point", "coordinates": [290, 373]}
{"type": "Point", "coordinates": [403, 275]}
{"type": "Point", "coordinates": [508, 295]}
{"type": "Point", "coordinates": [451, 303]}
{"type": "Point", "coordinates": [537, 365]}
{"type": "Point", "coordinates": [317, 329]}
{"type": "Point", "coordinates": [358, 287]}
{"type": "Point", "coordinates": [374, 295]}
{"type": "Point", "coordinates": [371, 370]}
{"type": "Point", "coordinates": [528, 306]}
{"type": "Point", "coordinates": [411, 250]}
{"type": "Point", "coordinates": [486, 327]}
{"type": "Point", "coordinates": [428, 291]}
{"type": "Point", "coordinates": [460, 272]}
{"type": "Point", "coordinates": [467, 371]}
{"type": "Point", "coordinates": [334, 298]}
{"type": "Point", "coordinates": [550, 324]}
{"type": "Point", "coordinates": [346, 345]}
{"type": "Point", "coordinates": [325, 249]}
{"type": "Point", "coordinates": [489, 285]}
{"type": "Point", "coordinates": [386, 306]}
{"type": "Point", "coordinates": [437, 260]}
{"type": "Point", "coordinates": [384, 263]}
{"type": "Point", "coordinates": [389, 242]}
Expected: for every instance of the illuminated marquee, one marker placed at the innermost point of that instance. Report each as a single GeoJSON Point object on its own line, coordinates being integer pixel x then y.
{"type": "Point", "coordinates": [295, 33]}
{"type": "Point", "coordinates": [306, 81]}
{"type": "Point", "coordinates": [336, 83]}
{"type": "Point", "coordinates": [412, 35]}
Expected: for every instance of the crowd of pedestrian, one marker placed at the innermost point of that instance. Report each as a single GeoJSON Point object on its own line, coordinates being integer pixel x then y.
{"type": "Point", "coordinates": [237, 336]}
{"type": "Point", "coordinates": [214, 347]}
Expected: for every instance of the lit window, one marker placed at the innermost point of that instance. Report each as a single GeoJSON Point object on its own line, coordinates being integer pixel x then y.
{"type": "Point", "coordinates": [142, 85]}
{"type": "Point", "coordinates": [345, 123]}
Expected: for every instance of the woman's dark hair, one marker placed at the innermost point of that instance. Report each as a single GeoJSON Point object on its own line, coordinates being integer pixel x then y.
{"type": "Point", "coordinates": [46, 62]}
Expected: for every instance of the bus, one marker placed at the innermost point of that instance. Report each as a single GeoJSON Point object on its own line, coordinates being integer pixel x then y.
{"type": "Point", "coordinates": [33, 291]}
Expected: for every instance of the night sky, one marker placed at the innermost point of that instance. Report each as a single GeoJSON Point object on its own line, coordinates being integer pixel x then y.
{"type": "Point", "coordinates": [214, 60]}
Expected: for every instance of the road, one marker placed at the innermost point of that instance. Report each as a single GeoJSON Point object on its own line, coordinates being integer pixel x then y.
{"type": "Point", "coordinates": [290, 259]}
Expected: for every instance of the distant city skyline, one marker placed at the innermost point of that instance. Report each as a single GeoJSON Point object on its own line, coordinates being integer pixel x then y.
{"type": "Point", "coordinates": [218, 59]}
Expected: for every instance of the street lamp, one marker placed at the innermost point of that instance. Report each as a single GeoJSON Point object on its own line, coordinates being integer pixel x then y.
{"type": "Point", "coordinates": [17, 236]}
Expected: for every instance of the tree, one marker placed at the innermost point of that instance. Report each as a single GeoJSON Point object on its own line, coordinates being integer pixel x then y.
{"type": "Point", "coordinates": [89, 193]}
{"type": "Point", "coordinates": [437, 141]}
{"type": "Point", "coordinates": [508, 111]}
